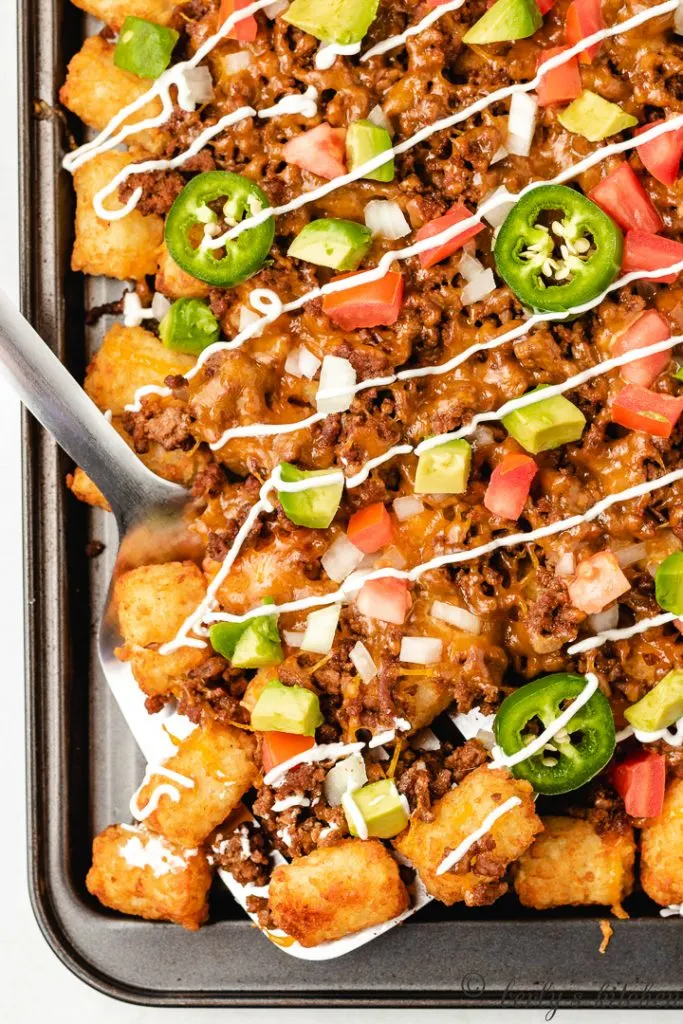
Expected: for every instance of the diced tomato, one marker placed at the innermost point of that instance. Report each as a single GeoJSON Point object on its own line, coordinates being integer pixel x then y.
{"type": "Point", "coordinates": [545, 5]}
{"type": "Point", "coordinates": [441, 252]}
{"type": "Point", "coordinates": [244, 30]}
{"type": "Point", "coordinates": [640, 409]}
{"type": "Point", "coordinates": [387, 599]}
{"type": "Point", "coordinates": [561, 85]}
{"type": "Point", "coordinates": [643, 251]}
{"type": "Point", "coordinates": [277, 747]}
{"type": "Point", "coordinates": [509, 486]}
{"type": "Point", "coordinates": [648, 329]}
{"type": "Point", "coordinates": [321, 151]}
{"type": "Point", "coordinates": [370, 528]}
{"type": "Point", "coordinates": [584, 17]}
{"type": "Point", "coordinates": [640, 780]}
{"type": "Point", "coordinates": [662, 156]}
{"type": "Point", "coordinates": [624, 199]}
{"type": "Point", "coordinates": [598, 582]}
{"type": "Point", "coordinates": [367, 305]}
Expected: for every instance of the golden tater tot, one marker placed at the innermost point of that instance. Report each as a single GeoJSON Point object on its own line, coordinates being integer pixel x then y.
{"type": "Point", "coordinates": [153, 601]}
{"type": "Point", "coordinates": [174, 282]}
{"type": "Point", "coordinates": [337, 890]}
{"type": "Point", "coordinates": [661, 850]}
{"type": "Point", "coordinates": [456, 815]}
{"type": "Point", "coordinates": [138, 872]}
{"type": "Point", "coordinates": [571, 864]}
{"type": "Point", "coordinates": [83, 488]}
{"type": "Point", "coordinates": [218, 760]}
{"type": "Point", "coordinates": [115, 12]}
{"type": "Point", "coordinates": [126, 248]}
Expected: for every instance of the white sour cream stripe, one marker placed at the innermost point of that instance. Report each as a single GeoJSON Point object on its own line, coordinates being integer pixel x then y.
{"type": "Point", "coordinates": [673, 738]}
{"type": "Point", "coordinates": [163, 789]}
{"type": "Point", "coordinates": [487, 824]}
{"type": "Point", "coordinates": [591, 642]}
{"type": "Point", "coordinates": [392, 42]}
{"type": "Point", "coordinates": [321, 752]}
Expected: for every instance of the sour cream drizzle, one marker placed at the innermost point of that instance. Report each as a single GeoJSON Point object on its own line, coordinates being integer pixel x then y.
{"type": "Point", "coordinates": [163, 789]}
{"type": "Point", "coordinates": [591, 642]}
{"type": "Point", "coordinates": [321, 752]}
{"type": "Point", "coordinates": [328, 53]}
{"type": "Point", "coordinates": [672, 734]}
{"type": "Point", "coordinates": [487, 824]}
{"type": "Point", "coordinates": [392, 42]}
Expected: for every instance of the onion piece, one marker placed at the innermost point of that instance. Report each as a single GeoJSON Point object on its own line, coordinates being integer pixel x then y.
{"type": "Point", "coordinates": [630, 554]}
{"type": "Point", "coordinates": [293, 637]}
{"type": "Point", "coordinates": [336, 373]}
{"type": "Point", "coordinates": [233, 63]}
{"type": "Point", "coordinates": [608, 618]}
{"type": "Point", "coordinates": [247, 318]}
{"type": "Point", "coordinates": [497, 215]}
{"type": "Point", "coordinates": [421, 650]}
{"type": "Point", "coordinates": [378, 117]}
{"type": "Point", "coordinates": [195, 87]}
{"type": "Point", "coordinates": [499, 155]}
{"type": "Point", "coordinates": [341, 558]}
{"type": "Point", "coordinates": [566, 564]}
{"type": "Point", "coordinates": [474, 725]}
{"type": "Point", "coordinates": [302, 363]}
{"type": "Point", "coordinates": [386, 219]}
{"type": "Point", "coordinates": [426, 739]}
{"type": "Point", "coordinates": [362, 662]}
{"type": "Point", "coordinates": [521, 123]}
{"type": "Point", "coordinates": [456, 616]}
{"type": "Point", "coordinates": [160, 306]}
{"type": "Point", "coordinates": [479, 287]}
{"type": "Point", "coordinates": [321, 627]}
{"type": "Point", "coordinates": [346, 776]}
{"type": "Point", "coordinates": [469, 267]}
{"type": "Point", "coordinates": [407, 507]}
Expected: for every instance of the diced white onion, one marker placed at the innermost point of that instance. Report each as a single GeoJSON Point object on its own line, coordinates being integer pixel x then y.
{"type": "Point", "coordinates": [336, 373]}
{"type": "Point", "coordinates": [478, 288]}
{"type": "Point", "coordinates": [421, 650]}
{"type": "Point", "coordinates": [346, 776]}
{"type": "Point", "coordinates": [608, 618]}
{"type": "Point", "coordinates": [247, 318]}
{"type": "Point", "coordinates": [321, 627]}
{"type": "Point", "coordinates": [277, 7]}
{"type": "Point", "coordinates": [407, 507]}
{"type": "Point", "coordinates": [566, 564]}
{"type": "Point", "coordinates": [378, 117]}
{"type": "Point", "coordinates": [293, 637]}
{"type": "Point", "coordinates": [630, 554]}
{"type": "Point", "coordinates": [497, 215]}
{"type": "Point", "coordinates": [678, 19]}
{"type": "Point", "coordinates": [302, 363]}
{"type": "Point", "coordinates": [499, 155]}
{"type": "Point", "coordinates": [455, 616]}
{"type": "Point", "coordinates": [391, 557]}
{"type": "Point", "coordinates": [160, 306]}
{"type": "Point", "coordinates": [483, 436]}
{"type": "Point", "coordinates": [522, 123]}
{"type": "Point", "coordinates": [341, 558]}
{"type": "Point", "coordinates": [469, 267]}
{"type": "Point", "coordinates": [386, 219]}
{"type": "Point", "coordinates": [474, 725]}
{"type": "Point", "coordinates": [426, 739]}
{"type": "Point", "coordinates": [195, 86]}
{"type": "Point", "coordinates": [233, 63]}
{"type": "Point", "coordinates": [362, 662]}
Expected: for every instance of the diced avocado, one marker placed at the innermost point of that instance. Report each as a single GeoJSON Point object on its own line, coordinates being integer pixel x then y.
{"type": "Point", "coordinates": [444, 469]}
{"type": "Point", "coordinates": [594, 117]}
{"type": "Point", "coordinates": [546, 424]}
{"type": "Point", "coordinates": [364, 140]}
{"type": "Point", "coordinates": [251, 644]}
{"type": "Point", "coordinates": [223, 637]}
{"type": "Point", "coordinates": [339, 244]}
{"type": "Point", "coordinates": [383, 810]}
{"type": "Point", "coordinates": [287, 709]}
{"type": "Point", "coordinates": [661, 707]}
{"type": "Point", "coordinates": [144, 48]}
{"type": "Point", "coordinates": [505, 21]}
{"type": "Point", "coordinates": [669, 583]}
{"type": "Point", "coordinates": [315, 507]}
{"type": "Point", "coordinates": [333, 21]}
{"type": "Point", "coordinates": [189, 326]}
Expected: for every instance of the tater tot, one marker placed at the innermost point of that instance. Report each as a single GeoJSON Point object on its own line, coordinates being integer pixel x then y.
{"type": "Point", "coordinates": [83, 488]}
{"type": "Point", "coordinates": [138, 872]}
{"type": "Point", "coordinates": [123, 249]}
{"type": "Point", "coordinates": [153, 601]}
{"type": "Point", "coordinates": [661, 850]}
{"type": "Point", "coordinates": [456, 815]}
{"type": "Point", "coordinates": [174, 282]}
{"type": "Point", "coordinates": [218, 762]}
{"type": "Point", "coordinates": [336, 891]}
{"type": "Point", "coordinates": [115, 12]}
{"type": "Point", "coordinates": [571, 864]}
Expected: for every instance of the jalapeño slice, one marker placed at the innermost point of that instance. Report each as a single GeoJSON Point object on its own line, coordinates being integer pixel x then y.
{"type": "Point", "coordinates": [557, 250]}
{"type": "Point", "coordinates": [217, 200]}
{"type": "Point", "coordinates": [576, 753]}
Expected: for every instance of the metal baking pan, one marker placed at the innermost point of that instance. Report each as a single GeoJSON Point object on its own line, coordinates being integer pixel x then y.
{"type": "Point", "coordinates": [83, 762]}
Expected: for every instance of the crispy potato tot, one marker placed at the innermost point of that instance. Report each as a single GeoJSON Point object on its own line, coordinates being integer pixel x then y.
{"type": "Point", "coordinates": [115, 12]}
{"type": "Point", "coordinates": [661, 850]}
{"type": "Point", "coordinates": [82, 487]}
{"type": "Point", "coordinates": [123, 249]}
{"type": "Point", "coordinates": [128, 358]}
{"type": "Point", "coordinates": [153, 601]}
{"type": "Point", "coordinates": [459, 813]}
{"type": "Point", "coordinates": [95, 90]}
{"type": "Point", "coordinates": [423, 698]}
{"type": "Point", "coordinates": [162, 675]}
{"type": "Point", "coordinates": [570, 864]}
{"type": "Point", "coordinates": [219, 761]}
{"type": "Point", "coordinates": [336, 891]}
{"type": "Point", "coordinates": [138, 872]}
{"type": "Point", "coordinates": [173, 282]}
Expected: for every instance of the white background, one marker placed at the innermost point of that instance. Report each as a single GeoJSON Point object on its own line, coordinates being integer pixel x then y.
{"type": "Point", "coordinates": [34, 986]}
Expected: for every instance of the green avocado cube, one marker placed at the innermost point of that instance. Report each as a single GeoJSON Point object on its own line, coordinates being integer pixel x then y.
{"type": "Point", "coordinates": [505, 21]}
{"type": "Point", "coordinates": [546, 424]}
{"type": "Point", "coordinates": [661, 707]}
{"type": "Point", "coordinates": [594, 117]}
{"type": "Point", "coordinates": [189, 326]}
{"type": "Point", "coordinates": [383, 810]}
{"type": "Point", "coordinates": [669, 583]}
{"type": "Point", "coordinates": [444, 469]}
{"type": "Point", "coordinates": [315, 507]}
{"type": "Point", "coordinates": [144, 48]}
{"type": "Point", "coordinates": [251, 644]}
{"type": "Point", "coordinates": [338, 244]}
{"type": "Point", "coordinates": [365, 140]}
{"type": "Point", "coordinates": [333, 21]}
{"type": "Point", "coordinates": [287, 709]}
